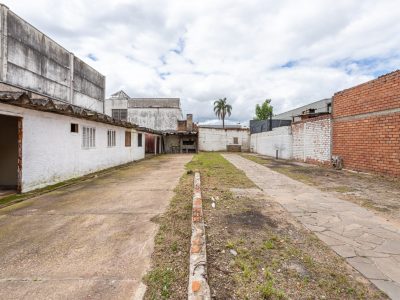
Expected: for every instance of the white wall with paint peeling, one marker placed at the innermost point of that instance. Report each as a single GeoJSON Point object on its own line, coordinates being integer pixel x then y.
{"type": "Point", "coordinates": [52, 153]}
{"type": "Point", "coordinates": [217, 139]}
{"type": "Point", "coordinates": [312, 140]}
{"type": "Point", "coordinates": [267, 143]}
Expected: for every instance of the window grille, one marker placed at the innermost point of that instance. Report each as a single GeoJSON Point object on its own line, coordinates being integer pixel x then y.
{"type": "Point", "coordinates": [111, 138]}
{"type": "Point", "coordinates": [88, 137]}
{"type": "Point", "coordinates": [120, 114]}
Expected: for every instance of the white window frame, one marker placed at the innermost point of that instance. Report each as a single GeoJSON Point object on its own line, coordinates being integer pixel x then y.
{"type": "Point", "coordinates": [88, 137]}
{"type": "Point", "coordinates": [111, 140]}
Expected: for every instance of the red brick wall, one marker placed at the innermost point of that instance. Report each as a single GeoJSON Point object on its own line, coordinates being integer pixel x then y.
{"type": "Point", "coordinates": [375, 95]}
{"type": "Point", "coordinates": [365, 141]}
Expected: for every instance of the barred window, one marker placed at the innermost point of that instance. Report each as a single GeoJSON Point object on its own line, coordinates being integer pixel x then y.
{"type": "Point", "coordinates": [88, 137]}
{"type": "Point", "coordinates": [120, 114]}
{"type": "Point", "coordinates": [111, 138]}
{"type": "Point", "coordinates": [236, 140]}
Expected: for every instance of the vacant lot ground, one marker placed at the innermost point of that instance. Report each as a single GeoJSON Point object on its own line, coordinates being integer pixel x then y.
{"type": "Point", "coordinates": [255, 249]}
{"type": "Point", "coordinates": [90, 240]}
{"type": "Point", "coordinates": [378, 193]}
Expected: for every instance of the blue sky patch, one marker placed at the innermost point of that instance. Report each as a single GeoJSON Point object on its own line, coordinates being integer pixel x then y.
{"type": "Point", "coordinates": [289, 64]}
{"type": "Point", "coordinates": [180, 46]}
{"type": "Point", "coordinates": [92, 57]}
{"type": "Point", "coordinates": [163, 75]}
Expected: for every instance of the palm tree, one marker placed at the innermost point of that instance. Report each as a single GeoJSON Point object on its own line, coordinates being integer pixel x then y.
{"type": "Point", "coordinates": [222, 109]}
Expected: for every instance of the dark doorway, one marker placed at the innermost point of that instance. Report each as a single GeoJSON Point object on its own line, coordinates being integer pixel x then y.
{"type": "Point", "coordinates": [9, 153]}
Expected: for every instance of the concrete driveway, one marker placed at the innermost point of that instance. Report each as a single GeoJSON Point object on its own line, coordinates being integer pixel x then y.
{"type": "Point", "coordinates": [92, 240]}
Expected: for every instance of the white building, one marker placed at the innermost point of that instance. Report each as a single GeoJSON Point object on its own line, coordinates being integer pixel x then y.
{"type": "Point", "coordinates": [52, 126]}
{"type": "Point", "coordinates": [223, 139]}
{"type": "Point", "coordinates": [43, 142]}
{"type": "Point", "coordinates": [160, 114]}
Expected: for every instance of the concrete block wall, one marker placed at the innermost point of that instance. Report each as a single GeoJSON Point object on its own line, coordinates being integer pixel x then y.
{"type": "Point", "coordinates": [267, 143]}
{"type": "Point", "coordinates": [366, 125]}
{"type": "Point", "coordinates": [312, 140]}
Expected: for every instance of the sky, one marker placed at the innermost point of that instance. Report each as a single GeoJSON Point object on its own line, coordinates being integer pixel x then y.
{"type": "Point", "coordinates": [293, 52]}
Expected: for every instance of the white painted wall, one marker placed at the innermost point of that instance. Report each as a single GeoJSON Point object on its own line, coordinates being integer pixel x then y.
{"type": "Point", "coordinates": [312, 140]}
{"type": "Point", "coordinates": [216, 139]}
{"type": "Point", "coordinates": [51, 153]}
{"type": "Point", "coordinates": [266, 143]}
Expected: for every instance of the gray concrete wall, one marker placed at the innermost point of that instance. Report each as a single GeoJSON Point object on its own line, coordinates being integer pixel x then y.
{"type": "Point", "coordinates": [8, 150]}
{"type": "Point", "coordinates": [155, 118]}
{"type": "Point", "coordinates": [31, 60]}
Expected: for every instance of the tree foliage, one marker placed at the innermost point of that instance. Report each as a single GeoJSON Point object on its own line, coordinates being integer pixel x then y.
{"type": "Point", "coordinates": [222, 109]}
{"type": "Point", "coordinates": [264, 111]}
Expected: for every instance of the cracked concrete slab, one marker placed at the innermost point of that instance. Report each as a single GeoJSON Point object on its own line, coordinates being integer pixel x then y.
{"type": "Point", "coordinates": [370, 243]}
{"type": "Point", "coordinates": [92, 240]}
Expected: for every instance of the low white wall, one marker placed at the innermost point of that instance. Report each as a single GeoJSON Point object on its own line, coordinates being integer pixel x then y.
{"type": "Point", "coordinates": [52, 153]}
{"type": "Point", "coordinates": [266, 143]}
{"type": "Point", "coordinates": [312, 140]}
{"type": "Point", "coordinates": [216, 139]}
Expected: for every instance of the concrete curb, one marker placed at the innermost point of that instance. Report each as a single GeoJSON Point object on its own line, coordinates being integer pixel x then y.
{"type": "Point", "coordinates": [198, 285]}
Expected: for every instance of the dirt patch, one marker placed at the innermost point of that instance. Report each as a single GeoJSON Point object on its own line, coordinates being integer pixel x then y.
{"type": "Point", "coordinates": [250, 218]}
{"type": "Point", "coordinates": [378, 193]}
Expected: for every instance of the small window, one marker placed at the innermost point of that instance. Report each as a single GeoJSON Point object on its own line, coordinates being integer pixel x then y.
{"type": "Point", "coordinates": [88, 137]}
{"type": "Point", "coordinates": [120, 114]}
{"type": "Point", "coordinates": [128, 137]}
{"type": "Point", "coordinates": [74, 127]}
{"type": "Point", "coordinates": [235, 140]}
{"type": "Point", "coordinates": [139, 141]}
{"type": "Point", "coordinates": [111, 138]}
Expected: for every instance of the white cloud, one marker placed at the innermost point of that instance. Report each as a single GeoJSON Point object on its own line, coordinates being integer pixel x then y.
{"type": "Point", "coordinates": [294, 52]}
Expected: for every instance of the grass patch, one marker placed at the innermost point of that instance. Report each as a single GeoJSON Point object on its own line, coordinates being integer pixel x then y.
{"type": "Point", "coordinates": [168, 278]}
{"type": "Point", "coordinates": [253, 251]}
{"type": "Point", "coordinates": [273, 259]}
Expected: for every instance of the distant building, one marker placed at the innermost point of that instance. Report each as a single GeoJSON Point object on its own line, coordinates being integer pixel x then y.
{"type": "Point", "coordinates": [155, 113]}
{"type": "Point", "coordinates": [314, 108]}
{"type": "Point", "coordinates": [162, 115]}
{"type": "Point", "coordinates": [231, 138]}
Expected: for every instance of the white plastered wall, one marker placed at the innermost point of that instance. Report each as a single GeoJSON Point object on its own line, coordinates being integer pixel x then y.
{"type": "Point", "coordinates": [216, 139]}
{"type": "Point", "coordinates": [52, 153]}
{"type": "Point", "coordinates": [267, 143]}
